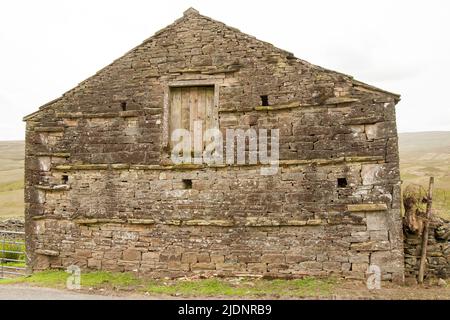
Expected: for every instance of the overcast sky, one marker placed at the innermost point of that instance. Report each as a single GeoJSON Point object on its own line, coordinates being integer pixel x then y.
{"type": "Point", "coordinates": [48, 47]}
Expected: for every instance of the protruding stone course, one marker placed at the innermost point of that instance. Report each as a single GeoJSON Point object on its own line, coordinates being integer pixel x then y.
{"type": "Point", "coordinates": [102, 193]}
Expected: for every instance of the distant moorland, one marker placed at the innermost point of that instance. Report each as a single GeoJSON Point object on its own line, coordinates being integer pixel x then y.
{"type": "Point", "coordinates": [425, 154]}
{"type": "Point", "coordinates": [422, 154]}
{"type": "Point", "coordinates": [11, 178]}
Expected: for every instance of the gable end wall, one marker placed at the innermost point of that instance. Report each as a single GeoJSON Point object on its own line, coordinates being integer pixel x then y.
{"type": "Point", "coordinates": [125, 208]}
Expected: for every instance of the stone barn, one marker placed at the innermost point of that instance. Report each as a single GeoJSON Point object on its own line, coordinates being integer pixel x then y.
{"type": "Point", "coordinates": [103, 191]}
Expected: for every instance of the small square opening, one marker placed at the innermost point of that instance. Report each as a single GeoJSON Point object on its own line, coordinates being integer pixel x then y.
{"type": "Point", "coordinates": [264, 100]}
{"type": "Point", "coordinates": [187, 183]}
{"type": "Point", "coordinates": [65, 179]}
{"type": "Point", "coordinates": [123, 105]}
{"type": "Point", "coordinates": [342, 182]}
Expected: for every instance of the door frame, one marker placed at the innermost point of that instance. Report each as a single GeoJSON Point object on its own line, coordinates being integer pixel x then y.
{"type": "Point", "coordinates": [165, 141]}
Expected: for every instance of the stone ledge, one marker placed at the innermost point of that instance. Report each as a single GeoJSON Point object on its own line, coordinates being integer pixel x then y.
{"type": "Point", "coordinates": [297, 104]}
{"type": "Point", "coordinates": [50, 154]}
{"type": "Point", "coordinates": [77, 115]}
{"type": "Point", "coordinates": [65, 167]}
{"type": "Point", "coordinates": [141, 221]}
{"type": "Point", "coordinates": [247, 222]}
{"type": "Point", "coordinates": [98, 221]}
{"type": "Point", "coordinates": [282, 163]}
{"type": "Point", "coordinates": [219, 223]}
{"type": "Point", "coordinates": [48, 129]}
{"type": "Point", "coordinates": [267, 222]}
{"type": "Point", "coordinates": [59, 187]}
{"type": "Point", "coordinates": [340, 100]}
{"type": "Point", "coordinates": [367, 207]}
{"type": "Point", "coordinates": [44, 252]}
{"type": "Point", "coordinates": [291, 105]}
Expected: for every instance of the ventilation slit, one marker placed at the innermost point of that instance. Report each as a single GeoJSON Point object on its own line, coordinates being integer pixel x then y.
{"type": "Point", "coordinates": [342, 182]}
{"type": "Point", "coordinates": [187, 183]}
{"type": "Point", "coordinates": [265, 100]}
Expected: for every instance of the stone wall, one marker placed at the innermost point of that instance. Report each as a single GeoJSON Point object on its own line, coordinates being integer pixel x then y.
{"type": "Point", "coordinates": [101, 191]}
{"type": "Point", "coordinates": [438, 251]}
{"type": "Point", "coordinates": [12, 225]}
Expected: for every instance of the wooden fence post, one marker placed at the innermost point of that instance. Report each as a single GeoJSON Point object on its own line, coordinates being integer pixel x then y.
{"type": "Point", "coordinates": [423, 258]}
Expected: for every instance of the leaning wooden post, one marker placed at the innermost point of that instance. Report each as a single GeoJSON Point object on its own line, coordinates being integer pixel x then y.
{"type": "Point", "coordinates": [423, 258]}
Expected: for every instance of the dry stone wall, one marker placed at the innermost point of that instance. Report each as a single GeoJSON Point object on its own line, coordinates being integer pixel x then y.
{"type": "Point", "coordinates": [102, 193]}
{"type": "Point", "coordinates": [438, 251]}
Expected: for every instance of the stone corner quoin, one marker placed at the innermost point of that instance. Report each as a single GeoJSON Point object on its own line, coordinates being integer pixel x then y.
{"type": "Point", "coordinates": [102, 194]}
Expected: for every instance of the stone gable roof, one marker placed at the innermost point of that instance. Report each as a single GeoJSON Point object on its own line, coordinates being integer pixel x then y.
{"type": "Point", "coordinates": [185, 24]}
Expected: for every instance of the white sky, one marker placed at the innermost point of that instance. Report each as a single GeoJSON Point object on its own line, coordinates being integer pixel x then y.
{"type": "Point", "coordinates": [47, 47]}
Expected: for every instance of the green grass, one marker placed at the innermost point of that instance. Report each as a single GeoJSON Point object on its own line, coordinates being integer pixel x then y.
{"type": "Point", "coordinates": [441, 202]}
{"type": "Point", "coordinates": [57, 279]}
{"type": "Point", "coordinates": [307, 287]}
{"type": "Point", "coordinates": [14, 249]}
{"type": "Point", "coordinates": [15, 264]}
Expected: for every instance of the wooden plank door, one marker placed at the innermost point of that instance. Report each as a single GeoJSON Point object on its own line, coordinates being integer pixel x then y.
{"type": "Point", "coordinates": [191, 104]}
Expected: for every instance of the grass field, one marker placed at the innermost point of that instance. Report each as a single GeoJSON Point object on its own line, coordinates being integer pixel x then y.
{"type": "Point", "coordinates": [425, 154]}
{"type": "Point", "coordinates": [11, 178]}
{"type": "Point", "coordinates": [422, 154]}
{"type": "Point", "coordinates": [307, 287]}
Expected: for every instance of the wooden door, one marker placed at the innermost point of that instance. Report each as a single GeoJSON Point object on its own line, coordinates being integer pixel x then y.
{"type": "Point", "coordinates": [190, 104]}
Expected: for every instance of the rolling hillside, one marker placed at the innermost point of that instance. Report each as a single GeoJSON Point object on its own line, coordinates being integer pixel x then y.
{"type": "Point", "coordinates": [422, 154]}
{"type": "Point", "coordinates": [11, 178]}
{"type": "Point", "coordinates": [425, 154]}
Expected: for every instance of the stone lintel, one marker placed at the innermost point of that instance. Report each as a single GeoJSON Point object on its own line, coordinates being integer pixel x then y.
{"type": "Point", "coordinates": [367, 207]}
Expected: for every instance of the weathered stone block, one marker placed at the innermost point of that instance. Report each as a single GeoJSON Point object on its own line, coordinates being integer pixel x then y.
{"type": "Point", "coordinates": [203, 257]}
{"type": "Point", "coordinates": [94, 263]}
{"type": "Point", "coordinates": [257, 267]}
{"type": "Point", "coordinates": [189, 257]}
{"type": "Point", "coordinates": [132, 255]}
{"type": "Point", "coordinates": [203, 266]}
{"type": "Point", "coordinates": [360, 268]}
{"type": "Point", "coordinates": [377, 222]}
{"type": "Point", "coordinates": [150, 256]}
{"type": "Point", "coordinates": [273, 258]}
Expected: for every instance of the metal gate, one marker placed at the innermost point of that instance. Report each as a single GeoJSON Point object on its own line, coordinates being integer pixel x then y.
{"type": "Point", "coordinates": [12, 254]}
